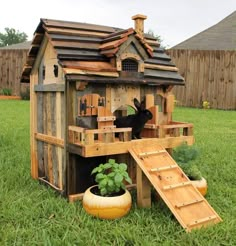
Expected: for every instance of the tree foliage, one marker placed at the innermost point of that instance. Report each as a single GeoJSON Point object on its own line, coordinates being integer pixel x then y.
{"type": "Point", "coordinates": [158, 37]}
{"type": "Point", "coordinates": [11, 36]}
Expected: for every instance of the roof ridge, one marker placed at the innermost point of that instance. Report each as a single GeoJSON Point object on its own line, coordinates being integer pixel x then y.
{"type": "Point", "coordinates": [213, 32]}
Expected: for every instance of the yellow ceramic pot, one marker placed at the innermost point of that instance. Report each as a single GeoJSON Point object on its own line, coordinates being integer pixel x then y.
{"type": "Point", "coordinates": [107, 207]}
{"type": "Point", "coordinates": [201, 185]}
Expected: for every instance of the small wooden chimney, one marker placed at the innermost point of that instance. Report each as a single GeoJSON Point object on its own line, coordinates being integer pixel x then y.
{"type": "Point", "coordinates": [139, 23]}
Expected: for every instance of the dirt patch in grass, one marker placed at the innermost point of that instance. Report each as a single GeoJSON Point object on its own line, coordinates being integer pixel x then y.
{"type": "Point", "coordinates": [4, 97]}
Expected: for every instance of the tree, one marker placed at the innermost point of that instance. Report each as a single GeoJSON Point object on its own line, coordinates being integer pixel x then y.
{"type": "Point", "coordinates": [158, 37]}
{"type": "Point", "coordinates": [12, 37]}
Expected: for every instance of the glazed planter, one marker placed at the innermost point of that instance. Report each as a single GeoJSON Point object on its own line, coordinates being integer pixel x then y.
{"type": "Point", "coordinates": [106, 207]}
{"type": "Point", "coordinates": [201, 185]}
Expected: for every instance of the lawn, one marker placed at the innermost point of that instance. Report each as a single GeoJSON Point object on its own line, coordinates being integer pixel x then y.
{"type": "Point", "coordinates": [32, 214]}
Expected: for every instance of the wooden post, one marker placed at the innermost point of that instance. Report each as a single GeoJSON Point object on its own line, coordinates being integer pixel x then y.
{"type": "Point", "coordinates": [149, 101]}
{"type": "Point", "coordinates": [70, 120]}
{"type": "Point", "coordinates": [33, 128]}
{"type": "Point", "coordinates": [59, 135]}
{"type": "Point", "coordinates": [143, 190]}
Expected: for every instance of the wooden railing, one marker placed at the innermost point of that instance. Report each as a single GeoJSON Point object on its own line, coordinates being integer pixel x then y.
{"type": "Point", "coordinates": [82, 136]}
{"type": "Point", "coordinates": [175, 129]}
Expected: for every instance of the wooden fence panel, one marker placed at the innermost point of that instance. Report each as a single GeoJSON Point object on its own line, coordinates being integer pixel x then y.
{"type": "Point", "coordinates": [210, 76]}
{"type": "Point", "coordinates": [11, 65]}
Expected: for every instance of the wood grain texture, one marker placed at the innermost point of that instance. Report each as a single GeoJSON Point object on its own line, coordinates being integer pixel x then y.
{"type": "Point", "coordinates": [210, 76]}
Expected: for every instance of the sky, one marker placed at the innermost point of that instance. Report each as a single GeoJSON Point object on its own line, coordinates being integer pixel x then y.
{"type": "Point", "coordinates": [174, 20]}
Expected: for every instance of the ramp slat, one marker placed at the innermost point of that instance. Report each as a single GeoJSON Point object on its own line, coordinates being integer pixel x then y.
{"type": "Point", "coordinates": [180, 205]}
{"type": "Point", "coordinates": [150, 153]}
{"type": "Point", "coordinates": [174, 186]}
{"type": "Point", "coordinates": [203, 220]}
{"type": "Point", "coordinates": [159, 169]}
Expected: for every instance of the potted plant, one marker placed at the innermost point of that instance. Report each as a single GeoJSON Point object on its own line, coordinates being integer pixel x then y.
{"type": "Point", "coordinates": [109, 199]}
{"type": "Point", "coordinates": [186, 156]}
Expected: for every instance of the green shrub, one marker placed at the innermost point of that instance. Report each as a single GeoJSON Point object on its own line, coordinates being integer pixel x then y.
{"type": "Point", "coordinates": [6, 92]}
{"type": "Point", "coordinates": [185, 156]}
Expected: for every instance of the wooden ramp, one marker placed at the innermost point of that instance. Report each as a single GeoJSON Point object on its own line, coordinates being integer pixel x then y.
{"type": "Point", "coordinates": [190, 208]}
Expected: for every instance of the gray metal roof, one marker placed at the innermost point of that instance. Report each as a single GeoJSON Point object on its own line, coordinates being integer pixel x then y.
{"type": "Point", "coordinates": [221, 36]}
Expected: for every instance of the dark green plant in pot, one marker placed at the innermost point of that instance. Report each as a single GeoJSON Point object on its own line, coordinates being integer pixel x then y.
{"type": "Point", "coordinates": [185, 156]}
{"type": "Point", "coordinates": [111, 177]}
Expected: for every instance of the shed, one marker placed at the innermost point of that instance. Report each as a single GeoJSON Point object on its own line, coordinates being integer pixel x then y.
{"type": "Point", "coordinates": [84, 76]}
{"type": "Point", "coordinates": [12, 60]}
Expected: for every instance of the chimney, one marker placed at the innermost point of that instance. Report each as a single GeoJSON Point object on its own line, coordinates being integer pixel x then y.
{"type": "Point", "coordinates": [139, 23]}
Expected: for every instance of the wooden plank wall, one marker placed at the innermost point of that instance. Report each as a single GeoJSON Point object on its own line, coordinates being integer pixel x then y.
{"type": "Point", "coordinates": [11, 65]}
{"type": "Point", "coordinates": [210, 76]}
{"type": "Point", "coordinates": [51, 122]}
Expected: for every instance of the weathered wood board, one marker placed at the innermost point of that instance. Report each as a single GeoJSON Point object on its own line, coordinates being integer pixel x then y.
{"type": "Point", "coordinates": [187, 204]}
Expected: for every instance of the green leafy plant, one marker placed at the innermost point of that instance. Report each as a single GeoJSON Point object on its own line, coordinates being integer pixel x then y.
{"type": "Point", "coordinates": [6, 92]}
{"type": "Point", "coordinates": [185, 156]}
{"type": "Point", "coordinates": [111, 177]}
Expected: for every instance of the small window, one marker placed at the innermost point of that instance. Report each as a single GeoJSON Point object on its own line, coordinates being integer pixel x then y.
{"type": "Point", "coordinates": [130, 65]}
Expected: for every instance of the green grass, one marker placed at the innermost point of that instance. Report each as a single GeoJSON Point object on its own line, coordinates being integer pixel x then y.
{"type": "Point", "coordinates": [32, 214]}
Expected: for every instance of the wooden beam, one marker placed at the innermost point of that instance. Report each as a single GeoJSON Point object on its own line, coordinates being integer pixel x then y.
{"type": "Point", "coordinates": [87, 72]}
{"type": "Point", "coordinates": [74, 32]}
{"type": "Point", "coordinates": [106, 118]}
{"type": "Point", "coordinates": [75, 197]}
{"type": "Point", "coordinates": [112, 44]}
{"type": "Point", "coordinates": [49, 139]}
{"type": "Point", "coordinates": [55, 87]}
{"type": "Point", "coordinates": [100, 149]}
{"type": "Point", "coordinates": [33, 127]}
{"type": "Point", "coordinates": [160, 67]}
{"type": "Point", "coordinates": [40, 55]}
{"type": "Point", "coordinates": [97, 66]}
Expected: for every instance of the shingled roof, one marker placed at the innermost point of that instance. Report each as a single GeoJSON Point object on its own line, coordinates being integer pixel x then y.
{"type": "Point", "coordinates": [221, 36]}
{"type": "Point", "coordinates": [20, 46]}
{"type": "Point", "coordinates": [85, 52]}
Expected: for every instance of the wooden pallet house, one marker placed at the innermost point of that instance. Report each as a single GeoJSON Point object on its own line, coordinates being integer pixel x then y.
{"type": "Point", "coordinates": [83, 76]}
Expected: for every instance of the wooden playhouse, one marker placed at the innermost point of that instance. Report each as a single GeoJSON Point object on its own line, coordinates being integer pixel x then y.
{"type": "Point", "coordinates": [82, 76]}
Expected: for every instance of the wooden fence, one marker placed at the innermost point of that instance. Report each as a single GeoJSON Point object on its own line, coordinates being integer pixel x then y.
{"type": "Point", "coordinates": [210, 76]}
{"type": "Point", "coordinates": [11, 65]}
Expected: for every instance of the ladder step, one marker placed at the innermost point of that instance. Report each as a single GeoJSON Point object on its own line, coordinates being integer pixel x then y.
{"type": "Point", "coordinates": [174, 186]}
{"type": "Point", "coordinates": [184, 204]}
{"type": "Point", "coordinates": [106, 118]}
{"type": "Point", "coordinates": [158, 169]}
{"type": "Point", "coordinates": [146, 154]}
{"type": "Point", "coordinates": [203, 220]}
